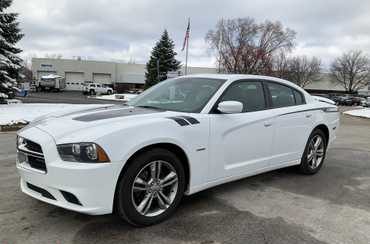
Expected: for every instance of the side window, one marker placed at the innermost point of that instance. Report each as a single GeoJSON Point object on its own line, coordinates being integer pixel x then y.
{"type": "Point", "coordinates": [281, 96]}
{"type": "Point", "coordinates": [98, 85]}
{"type": "Point", "coordinates": [298, 98]}
{"type": "Point", "coordinates": [92, 85]}
{"type": "Point", "coordinates": [249, 93]}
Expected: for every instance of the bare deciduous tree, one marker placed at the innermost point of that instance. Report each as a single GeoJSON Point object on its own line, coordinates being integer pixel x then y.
{"type": "Point", "coordinates": [244, 46]}
{"type": "Point", "coordinates": [281, 66]}
{"type": "Point", "coordinates": [351, 70]}
{"type": "Point", "coordinates": [298, 69]}
{"type": "Point", "coordinates": [303, 70]}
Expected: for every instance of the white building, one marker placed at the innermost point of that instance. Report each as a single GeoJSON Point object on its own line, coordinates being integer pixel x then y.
{"type": "Point", "coordinates": [123, 75]}
{"type": "Point", "coordinates": [126, 76]}
{"type": "Point", "coordinates": [327, 84]}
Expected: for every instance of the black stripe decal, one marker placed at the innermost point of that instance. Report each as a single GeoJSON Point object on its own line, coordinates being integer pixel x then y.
{"type": "Point", "coordinates": [180, 121]}
{"type": "Point", "coordinates": [313, 109]}
{"type": "Point", "coordinates": [191, 120]}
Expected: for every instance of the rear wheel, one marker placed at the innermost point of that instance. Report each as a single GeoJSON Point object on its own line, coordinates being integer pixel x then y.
{"type": "Point", "coordinates": [151, 188]}
{"type": "Point", "coordinates": [314, 153]}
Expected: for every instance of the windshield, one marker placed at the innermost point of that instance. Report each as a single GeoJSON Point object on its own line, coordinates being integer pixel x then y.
{"type": "Point", "coordinates": [182, 94]}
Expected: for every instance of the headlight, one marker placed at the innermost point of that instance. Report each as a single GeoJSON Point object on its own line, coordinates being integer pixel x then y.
{"type": "Point", "coordinates": [20, 141]}
{"type": "Point", "coordinates": [84, 152]}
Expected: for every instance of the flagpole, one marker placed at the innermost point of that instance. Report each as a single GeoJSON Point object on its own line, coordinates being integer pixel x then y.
{"type": "Point", "coordinates": [187, 50]}
{"type": "Point", "coordinates": [220, 45]}
{"type": "Point", "coordinates": [186, 57]}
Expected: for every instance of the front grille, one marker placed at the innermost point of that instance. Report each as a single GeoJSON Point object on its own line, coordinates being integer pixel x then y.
{"type": "Point", "coordinates": [32, 146]}
{"type": "Point", "coordinates": [36, 162]}
{"type": "Point", "coordinates": [34, 154]}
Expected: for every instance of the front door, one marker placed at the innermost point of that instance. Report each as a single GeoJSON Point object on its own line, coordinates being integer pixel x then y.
{"type": "Point", "coordinates": [241, 143]}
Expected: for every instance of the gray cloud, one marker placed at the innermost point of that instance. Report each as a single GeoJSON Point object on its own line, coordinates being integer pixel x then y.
{"type": "Point", "coordinates": [124, 30]}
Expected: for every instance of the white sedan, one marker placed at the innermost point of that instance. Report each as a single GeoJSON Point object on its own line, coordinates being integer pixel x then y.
{"type": "Point", "coordinates": [181, 136]}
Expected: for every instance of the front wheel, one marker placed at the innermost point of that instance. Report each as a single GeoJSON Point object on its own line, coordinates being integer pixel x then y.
{"type": "Point", "coordinates": [151, 188]}
{"type": "Point", "coordinates": [314, 153]}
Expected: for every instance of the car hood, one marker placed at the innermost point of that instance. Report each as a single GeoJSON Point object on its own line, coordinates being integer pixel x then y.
{"type": "Point", "coordinates": [91, 123]}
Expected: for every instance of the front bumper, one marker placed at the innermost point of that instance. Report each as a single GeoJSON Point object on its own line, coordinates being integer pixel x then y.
{"type": "Point", "coordinates": [92, 184]}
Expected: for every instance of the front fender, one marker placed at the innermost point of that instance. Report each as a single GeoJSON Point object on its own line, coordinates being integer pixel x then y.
{"type": "Point", "coordinates": [121, 144]}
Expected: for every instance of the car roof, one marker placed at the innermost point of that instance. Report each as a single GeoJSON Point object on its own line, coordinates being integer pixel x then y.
{"type": "Point", "coordinates": [233, 77]}
{"type": "Point", "coordinates": [240, 77]}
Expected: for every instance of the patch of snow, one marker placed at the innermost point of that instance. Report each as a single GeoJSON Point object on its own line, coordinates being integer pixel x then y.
{"type": "Point", "coordinates": [26, 112]}
{"type": "Point", "coordinates": [364, 113]}
{"type": "Point", "coordinates": [125, 97]}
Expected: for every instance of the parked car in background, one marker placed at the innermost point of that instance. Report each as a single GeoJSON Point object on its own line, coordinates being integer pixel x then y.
{"type": "Point", "coordinates": [96, 88]}
{"type": "Point", "coordinates": [365, 102]}
{"type": "Point", "coordinates": [347, 100]}
{"type": "Point", "coordinates": [181, 136]}
{"type": "Point", "coordinates": [335, 98]}
{"type": "Point", "coordinates": [356, 101]}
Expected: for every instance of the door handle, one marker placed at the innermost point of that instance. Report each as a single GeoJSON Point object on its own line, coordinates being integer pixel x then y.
{"type": "Point", "coordinates": [308, 115]}
{"type": "Point", "coordinates": [267, 124]}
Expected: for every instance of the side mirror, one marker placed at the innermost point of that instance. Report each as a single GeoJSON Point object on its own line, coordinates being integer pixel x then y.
{"type": "Point", "coordinates": [230, 107]}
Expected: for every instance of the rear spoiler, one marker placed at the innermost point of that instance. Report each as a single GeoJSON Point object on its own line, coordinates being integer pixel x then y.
{"type": "Point", "coordinates": [324, 100]}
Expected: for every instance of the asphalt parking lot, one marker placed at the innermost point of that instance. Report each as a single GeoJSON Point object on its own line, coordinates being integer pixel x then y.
{"type": "Point", "coordinates": [74, 97]}
{"type": "Point", "coordinates": [277, 207]}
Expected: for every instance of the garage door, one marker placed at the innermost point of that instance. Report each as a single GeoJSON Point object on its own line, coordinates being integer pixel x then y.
{"type": "Point", "coordinates": [102, 78]}
{"type": "Point", "coordinates": [74, 80]}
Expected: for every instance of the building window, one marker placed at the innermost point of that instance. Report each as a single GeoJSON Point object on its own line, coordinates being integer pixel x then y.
{"type": "Point", "coordinates": [46, 65]}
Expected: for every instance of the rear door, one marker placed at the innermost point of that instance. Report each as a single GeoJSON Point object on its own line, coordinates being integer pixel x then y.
{"type": "Point", "coordinates": [293, 121]}
{"type": "Point", "coordinates": [241, 143]}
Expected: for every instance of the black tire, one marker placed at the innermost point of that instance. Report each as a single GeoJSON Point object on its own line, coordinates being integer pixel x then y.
{"type": "Point", "coordinates": [306, 166]}
{"type": "Point", "coordinates": [92, 92]}
{"type": "Point", "coordinates": [124, 203]}
{"type": "Point", "coordinates": [109, 92]}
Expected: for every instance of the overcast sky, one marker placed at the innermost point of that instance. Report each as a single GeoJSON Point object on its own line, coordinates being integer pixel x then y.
{"type": "Point", "coordinates": [128, 29]}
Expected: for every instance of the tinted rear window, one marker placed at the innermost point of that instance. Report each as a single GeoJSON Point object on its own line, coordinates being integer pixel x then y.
{"type": "Point", "coordinates": [281, 96]}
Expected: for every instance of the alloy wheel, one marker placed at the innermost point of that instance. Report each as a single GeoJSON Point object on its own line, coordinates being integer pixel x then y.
{"type": "Point", "coordinates": [316, 152]}
{"type": "Point", "coordinates": [154, 188]}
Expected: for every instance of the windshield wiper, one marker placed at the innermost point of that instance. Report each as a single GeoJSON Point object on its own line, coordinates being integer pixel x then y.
{"type": "Point", "coordinates": [150, 107]}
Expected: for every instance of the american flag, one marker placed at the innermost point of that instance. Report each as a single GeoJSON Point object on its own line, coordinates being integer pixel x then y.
{"type": "Point", "coordinates": [187, 34]}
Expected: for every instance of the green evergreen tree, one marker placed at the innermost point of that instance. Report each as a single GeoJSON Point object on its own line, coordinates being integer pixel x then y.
{"type": "Point", "coordinates": [163, 55]}
{"type": "Point", "coordinates": [10, 63]}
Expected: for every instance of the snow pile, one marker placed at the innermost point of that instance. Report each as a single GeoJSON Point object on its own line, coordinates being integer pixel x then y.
{"type": "Point", "coordinates": [364, 113]}
{"type": "Point", "coordinates": [125, 97]}
{"type": "Point", "coordinates": [24, 113]}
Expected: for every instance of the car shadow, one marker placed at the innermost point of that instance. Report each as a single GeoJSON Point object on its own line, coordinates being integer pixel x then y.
{"type": "Point", "coordinates": [201, 218]}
